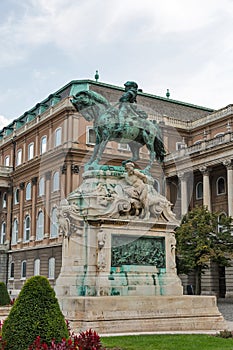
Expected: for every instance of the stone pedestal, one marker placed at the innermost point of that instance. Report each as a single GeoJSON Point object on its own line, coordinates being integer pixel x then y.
{"type": "Point", "coordinates": [118, 261]}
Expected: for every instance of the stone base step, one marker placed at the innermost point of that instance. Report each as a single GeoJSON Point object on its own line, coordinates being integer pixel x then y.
{"type": "Point", "coordinates": [125, 314]}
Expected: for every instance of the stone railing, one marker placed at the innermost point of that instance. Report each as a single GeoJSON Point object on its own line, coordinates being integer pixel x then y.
{"type": "Point", "coordinates": [202, 145]}
{"type": "Point", "coordinates": [5, 170]}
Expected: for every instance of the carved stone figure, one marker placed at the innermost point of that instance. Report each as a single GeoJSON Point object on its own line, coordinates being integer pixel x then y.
{"type": "Point", "coordinates": [138, 191]}
{"type": "Point", "coordinates": [133, 130]}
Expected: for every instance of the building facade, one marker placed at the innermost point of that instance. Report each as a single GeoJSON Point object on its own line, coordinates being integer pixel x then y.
{"type": "Point", "coordinates": [42, 157]}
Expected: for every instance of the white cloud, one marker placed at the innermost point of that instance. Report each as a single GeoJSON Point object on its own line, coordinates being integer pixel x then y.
{"type": "Point", "coordinates": [4, 121]}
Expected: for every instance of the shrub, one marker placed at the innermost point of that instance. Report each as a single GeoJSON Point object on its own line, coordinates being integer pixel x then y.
{"type": "Point", "coordinates": [36, 312]}
{"type": "Point", "coordinates": [2, 342]}
{"type": "Point", "coordinates": [4, 296]}
{"type": "Point", "coordinates": [225, 334]}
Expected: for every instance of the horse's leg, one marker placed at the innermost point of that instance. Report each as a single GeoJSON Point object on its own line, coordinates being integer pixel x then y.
{"type": "Point", "coordinates": [134, 148]}
{"type": "Point", "coordinates": [95, 151]}
{"type": "Point", "coordinates": [102, 145]}
{"type": "Point", "coordinates": [149, 141]}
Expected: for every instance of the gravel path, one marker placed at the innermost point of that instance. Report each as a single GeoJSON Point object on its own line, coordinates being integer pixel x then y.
{"type": "Point", "coordinates": [225, 306]}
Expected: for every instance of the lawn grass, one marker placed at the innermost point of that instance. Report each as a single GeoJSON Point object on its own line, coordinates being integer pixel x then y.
{"type": "Point", "coordinates": [168, 342]}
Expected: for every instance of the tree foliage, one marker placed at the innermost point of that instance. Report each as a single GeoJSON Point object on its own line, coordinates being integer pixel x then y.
{"type": "Point", "coordinates": [4, 296]}
{"type": "Point", "coordinates": [203, 237]}
{"type": "Point", "coordinates": [36, 312]}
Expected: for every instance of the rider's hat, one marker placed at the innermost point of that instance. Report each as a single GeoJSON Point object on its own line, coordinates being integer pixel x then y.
{"type": "Point", "coordinates": [131, 84]}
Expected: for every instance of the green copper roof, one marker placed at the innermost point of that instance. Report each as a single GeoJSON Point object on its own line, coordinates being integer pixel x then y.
{"type": "Point", "coordinates": [71, 89]}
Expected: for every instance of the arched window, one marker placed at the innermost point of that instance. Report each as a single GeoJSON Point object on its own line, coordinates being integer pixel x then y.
{"type": "Point", "coordinates": [41, 187]}
{"type": "Point", "coordinates": [19, 157]}
{"type": "Point", "coordinates": [36, 267]}
{"type": "Point", "coordinates": [3, 233]}
{"type": "Point", "coordinates": [56, 181]}
{"type": "Point", "coordinates": [28, 192]}
{"type": "Point", "coordinates": [23, 269]}
{"type": "Point", "coordinates": [16, 196]}
{"type": "Point", "coordinates": [156, 186]}
{"type": "Point", "coordinates": [54, 224]}
{"type": "Point", "coordinates": [31, 151]}
{"type": "Point", "coordinates": [57, 137]}
{"type": "Point", "coordinates": [40, 226]}
{"type": "Point", "coordinates": [15, 231]}
{"type": "Point", "coordinates": [7, 161]}
{"type": "Point", "coordinates": [221, 186]}
{"type": "Point", "coordinates": [199, 190]}
{"type": "Point", "coordinates": [12, 270]}
{"type": "Point", "coordinates": [27, 227]}
{"type": "Point", "coordinates": [43, 144]}
{"type": "Point", "coordinates": [51, 274]}
{"type": "Point", "coordinates": [4, 198]}
{"type": "Point", "coordinates": [221, 219]}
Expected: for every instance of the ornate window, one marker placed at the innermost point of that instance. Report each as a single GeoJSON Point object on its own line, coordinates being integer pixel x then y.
{"type": "Point", "coordinates": [36, 267]}
{"type": "Point", "coordinates": [57, 137]}
{"type": "Point", "coordinates": [3, 233]}
{"type": "Point", "coordinates": [40, 226]}
{"type": "Point", "coordinates": [199, 190]}
{"type": "Point", "coordinates": [54, 224]}
{"type": "Point", "coordinates": [51, 274]}
{"type": "Point", "coordinates": [41, 187]}
{"type": "Point", "coordinates": [23, 269]}
{"type": "Point", "coordinates": [90, 135]}
{"type": "Point", "coordinates": [7, 161]}
{"type": "Point", "coordinates": [43, 144]}
{"type": "Point", "coordinates": [27, 228]}
{"type": "Point", "coordinates": [4, 200]}
{"type": "Point", "coordinates": [30, 150]}
{"type": "Point", "coordinates": [221, 218]}
{"type": "Point", "coordinates": [221, 186]}
{"type": "Point", "coordinates": [56, 181]}
{"type": "Point", "coordinates": [19, 157]}
{"type": "Point", "coordinates": [28, 191]}
{"type": "Point", "coordinates": [123, 147]}
{"type": "Point", "coordinates": [156, 186]}
{"type": "Point", "coordinates": [15, 231]}
{"type": "Point", "coordinates": [16, 196]}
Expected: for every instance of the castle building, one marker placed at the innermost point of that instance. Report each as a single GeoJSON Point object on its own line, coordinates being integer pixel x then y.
{"type": "Point", "coordinates": [42, 157]}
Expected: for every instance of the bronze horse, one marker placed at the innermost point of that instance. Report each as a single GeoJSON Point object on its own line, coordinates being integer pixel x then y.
{"type": "Point", "coordinates": [134, 131]}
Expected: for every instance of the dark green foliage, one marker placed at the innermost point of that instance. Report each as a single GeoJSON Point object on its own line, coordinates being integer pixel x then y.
{"type": "Point", "coordinates": [225, 334]}
{"type": "Point", "coordinates": [200, 239]}
{"type": "Point", "coordinates": [36, 312]}
{"type": "Point", "coordinates": [4, 296]}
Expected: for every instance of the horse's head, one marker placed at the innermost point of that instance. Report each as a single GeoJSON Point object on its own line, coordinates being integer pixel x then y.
{"type": "Point", "coordinates": [87, 98]}
{"type": "Point", "coordinates": [81, 100]}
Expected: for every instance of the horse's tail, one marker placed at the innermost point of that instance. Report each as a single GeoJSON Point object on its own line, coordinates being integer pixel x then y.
{"type": "Point", "coordinates": [159, 146]}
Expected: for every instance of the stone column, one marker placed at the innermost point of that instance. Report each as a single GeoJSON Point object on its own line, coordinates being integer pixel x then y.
{"type": "Point", "coordinates": [184, 192]}
{"type": "Point", "coordinates": [47, 203]}
{"type": "Point", "coordinates": [228, 164]}
{"type": "Point", "coordinates": [206, 187]}
{"type": "Point", "coordinates": [9, 209]}
{"type": "Point", "coordinates": [168, 189]}
{"type": "Point", "coordinates": [34, 200]}
{"type": "Point", "coordinates": [74, 176]}
{"type": "Point", "coordinates": [21, 209]}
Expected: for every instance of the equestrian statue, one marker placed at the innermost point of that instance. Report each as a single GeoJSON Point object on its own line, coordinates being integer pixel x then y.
{"type": "Point", "coordinates": [123, 123]}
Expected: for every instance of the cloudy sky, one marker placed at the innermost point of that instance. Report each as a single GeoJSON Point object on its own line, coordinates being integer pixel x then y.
{"type": "Point", "coordinates": [183, 45]}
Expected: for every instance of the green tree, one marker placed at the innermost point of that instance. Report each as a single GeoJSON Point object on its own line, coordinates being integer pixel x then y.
{"type": "Point", "coordinates": [202, 238]}
{"type": "Point", "coordinates": [4, 296]}
{"type": "Point", "coordinates": [36, 312]}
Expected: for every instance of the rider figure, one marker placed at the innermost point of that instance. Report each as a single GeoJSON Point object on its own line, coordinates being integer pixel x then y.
{"type": "Point", "coordinates": [128, 101]}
